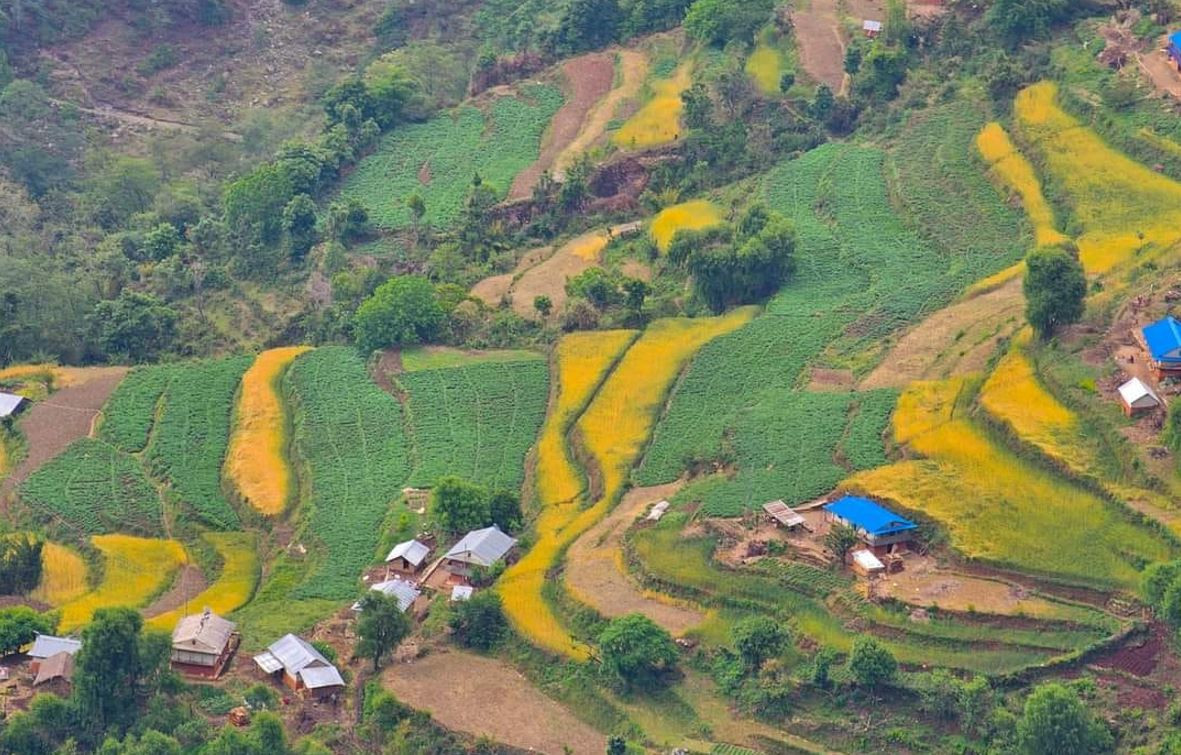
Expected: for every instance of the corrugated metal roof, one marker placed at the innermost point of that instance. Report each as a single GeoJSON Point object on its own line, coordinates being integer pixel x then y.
{"type": "Point", "coordinates": [1175, 39]}
{"type": "Point", "coordinates": [461, 592]}
{"type": "Point", "coordinates": [267, 662]}
{"type": "Point", "coordinates": [1163, 338]}
{"type": "Point", "coordinates": [482, 547]}
{"type": "Point", "coordinates": [411, 550]}
{"type": "Point", "coordinates": [57, 666]}
{"type": "Point", "coordinates": [1135, 390]}
{"type": "Point", "coordinates": [405, 592]}
{"type": "Point", "coordinates": [46, 645]}
{"type": "Point", "coordinates": [867, 561]}
{"type": "Point", "coordinates": [864, 514]}
{"type": "Point", "coordinates": [9, 403]}
{"type": "Point", "coordinates": [203, 632]}
{"type": "Point", "coordinates": [783, 514]}
{"type": "Point", "coordinates": [871, 25]}
{"type": "Point", "coordinates": [658, 510]}
{"type": "Point", "coordinates": [296, 654]}
{"type": "Point", "coordinates": [320, 677]}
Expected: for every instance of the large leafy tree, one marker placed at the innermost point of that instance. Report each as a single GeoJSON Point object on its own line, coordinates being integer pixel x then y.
{"type": "Point", "coordinates": [636, 653]}
{"type": "Point", "coordinates": [1017, 20]}
{"type": "Point", "coordinates": [757, 639]}
{"type": "Point", "coordinates": [870, 664]}
{"type": "Point", "coordinates": [116, 668]}
{"type": "Point", "coordinates": [589, 25]}
{"type": "Point", "coordinates": [135, 326]}
{"type": "Point", "coordinates": [720, 21]}
{"type": "Point", "coordinates": [381, 627]}
{"type": "Point", "coordinates": [402, 311]}
{"type": "Point", "coordinates": [478, 623]}
{"type": "Point", "coordinates": [1056, 721]}
{"type": "Point", "coordinates": [1055, 289]}
{"type": "Point", "coordinates": [458, 505]}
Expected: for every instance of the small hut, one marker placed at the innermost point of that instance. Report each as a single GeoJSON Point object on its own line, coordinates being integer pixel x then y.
{"type": "Point", "coordinates": [784, 516]}
{"type": "Point", "coordinates": [203, 643]}
{"type": "Point", "coordinates": [11, 405]}
{"type": "Point", "coordinates": [303, 668]}
{"type": "Point", "coordinates": [408, 557]}
{"type": "Point", "coordinates": [1137, 398]}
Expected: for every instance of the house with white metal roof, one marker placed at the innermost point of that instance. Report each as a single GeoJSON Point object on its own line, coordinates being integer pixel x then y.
{"type": "Point", "coordinates": [1137, 398]}
{"type": "Point", "coordinates": [11, 404]}
{"type": "Point", "coordinates": [304, 668]}
{"type": "Point", "coordinates": [479, 548]}
{"type": "Point", "coordinates": [401, 590]}
{"type": "Point", "coordinates": [203, 643]}
{"type": "Point", "coordinates": [408, 557]}
{"type": "Point", "coordinates": [46, 645]}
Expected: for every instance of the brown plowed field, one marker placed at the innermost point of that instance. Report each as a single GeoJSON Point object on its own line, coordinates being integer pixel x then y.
{"type": "Point", "coordinates": [593, 567]}
{"type": "Point", "coordinates": [822, 50]}
{"type": "Point", "coordinates": [484, 696]}
{"type": "Point", "coordinates": [189, 582]}
{"type": "Point", "coordinates": [51, 425]}
{"type": "Point", "coordinates": [588, 80]}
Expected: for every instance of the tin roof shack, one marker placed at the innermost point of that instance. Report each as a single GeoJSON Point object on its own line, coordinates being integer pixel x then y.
{"type": "Point", "coordinates": [872, 29]}
{"type": "Point", "coordinates": [303, 668]}
{"type": "Point", "coordinates": [1137, 398]}
{"type": "Point", "coordinates": [880, 529]}
{"type": "Point", "coordinates": [866, 564]}
{"type": "Point", "coordinates": [478, 549]}
{"type": "Point", "coordinates": [203, 643]}
{"type": "Point", "coordinates": [406, 593]}
{"type": "Point", "coordinates": [784, 516]}
{"type": "Point", "coordinates": [1174, 49]}
{"type": "Point", "coordinates": [11, 405]}
{"type": "Point", "coordinates": [46, 646]}
{"type": "Point", "coordinates": [1162, 341]}
{"type": "Point", "coordinates": [55, 673]}
{"type": "Point", "coordinates": [408, 557]}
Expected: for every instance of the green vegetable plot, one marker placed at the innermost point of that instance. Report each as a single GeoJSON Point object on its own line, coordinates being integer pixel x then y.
{"type": "Point", "coordinates": [130, 412]}
{"type": "Point", "coordinates": [93, 488]}
{"type": "Point", "coordinates": [189, 445]}
{"type": "Point", "coordinates": [438, 159]}
{"type": "Point", "coordinates": [349, 439]}
{"type": "Point", "coordinates": [476, 422]}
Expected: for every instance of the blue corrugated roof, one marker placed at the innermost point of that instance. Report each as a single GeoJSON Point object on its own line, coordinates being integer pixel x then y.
{"type": "Point", "coordinates": [864, 514]}
{"type": "Point", "coordinates": [1164, 340]}
{"type": "Point", "coordinates": [1175, 39]}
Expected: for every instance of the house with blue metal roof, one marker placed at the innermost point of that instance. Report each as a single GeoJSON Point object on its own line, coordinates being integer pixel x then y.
{"type": "Point", "coordinates": [1162, 341]}
{"type": "Point", "coordinates": [1174, 48]}
{"type": "Point", "coordinates": [880, 529]}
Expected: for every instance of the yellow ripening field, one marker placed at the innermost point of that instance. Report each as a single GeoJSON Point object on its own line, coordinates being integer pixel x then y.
{"type": "Point", "coordinates": [256, 462]}
{"type": "Point", "coordinates": [1121, 204]}
{"type": "Point", "coordinates": [134, 570]}
{"type": "Point", "coordinates": [589, 247]}
{"type": "Point", "coordinates": [765, 67]}
{"type": "Point", "coordinates": [19, 371]}
{"type": "Point", "coordinates": [580, 361]}
{"type": "Point", "coordinates": [659, 120]}
{"type": "Point", "coordinates": [233, 587]}
{"type": "Point", "coordinates": [1001, 507]}
{"type": "Point", "coordinates": [687, 216]}
{"type": "Point", "coordinates": [63, 575]}
{"type": "Point", "coordinates": [1015, 172]}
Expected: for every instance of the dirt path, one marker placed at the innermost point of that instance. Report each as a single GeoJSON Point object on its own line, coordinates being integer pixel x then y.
{"type": "Point", "coordinates": [52, 425]}
{"type": "Point", "coordinates": [594, 567]}
{"type": "Point", "coordinates": [822, 50]}
{"type": "Point", "coordinates": [492, 290]}
{"type": "Point", "coordinates": [1160, 70]}
{"type": "Point", "coordinates": [190, 581]}
{"type": "Point", "coordinates": [588, 80]}
{"type": "Point", "coordinates": [633, 69]}
{"type": "Point", "coordinates": [548, 276]}
{"type": "Point", "coordinates": [484, 696]}
{"type": "Point", "coordinates": [953, 341]}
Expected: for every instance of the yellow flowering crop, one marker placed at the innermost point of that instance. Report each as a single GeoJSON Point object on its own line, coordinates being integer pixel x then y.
{"type": "Point", "coordinates": [134, 570]}
{"type": "Point", "coordinates": [1120, 204]}
{"type": "Point", "coordinates": [63, 575]}
{"type": "Point", "coordinates": [20, 371]}
{"type": "Point", "coordinates": [235, 584]}
{"type": "Point", "coordinates": [659, 120]}
{"type": "Point", "coordinates": [613, 429]}
{"type": "Point", "coordinates": [589, 247]}
{"type": "Point", "coordinates": [997, 505]}
{"type": "Point", "coordinates": [256, 462]}
{"type": "Point", "coordinates": [765, 66]}
{"type": "Point", "coordinates": [1011, 167]}
{"type": "Point", "coordinates": [687, 216]}
{"type": "Point", "coordinates": [580, 361]}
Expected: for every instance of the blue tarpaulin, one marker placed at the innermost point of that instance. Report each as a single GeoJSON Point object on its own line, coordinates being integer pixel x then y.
{"type": "Point", "coordinates": [863, 514]}
{"type": "Point", "coordinates": [1163, 338]}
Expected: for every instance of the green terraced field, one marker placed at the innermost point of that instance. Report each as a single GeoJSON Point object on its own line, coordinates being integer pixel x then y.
{"type": "Point", "coordinates": [130, 412]}
{"type": "Point", "coordinates": [349, 439]}
{"type": "Point", "coordinates": [93, 488]}
{"type": "Point", "coordinates": [188, 447]}
{"type": "Point", "coordinates": [476, 422]}
{"type": "Point", "coordinates": [437, 159]}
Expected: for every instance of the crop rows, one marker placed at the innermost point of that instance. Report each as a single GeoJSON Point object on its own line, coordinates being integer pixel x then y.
{"type": "Point", "coordinates": [349, 436]}
{"type": "Point", "coordinates": [862, 447]}
{"type": "Point", "coordinates": [476, 422]}
{"type": "Point", "coordinates": [93, 487]}
{"type": "Point", "coordinates": [130, 412]}
{"type": "Point", "coordinates": [256, 461]}
{"type": "Point", "coordinates": [188, 447]}
{"type": "Point", "coordinates": [1015, 172]}
{"type": "Point", "coordinates": [437, 159]}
